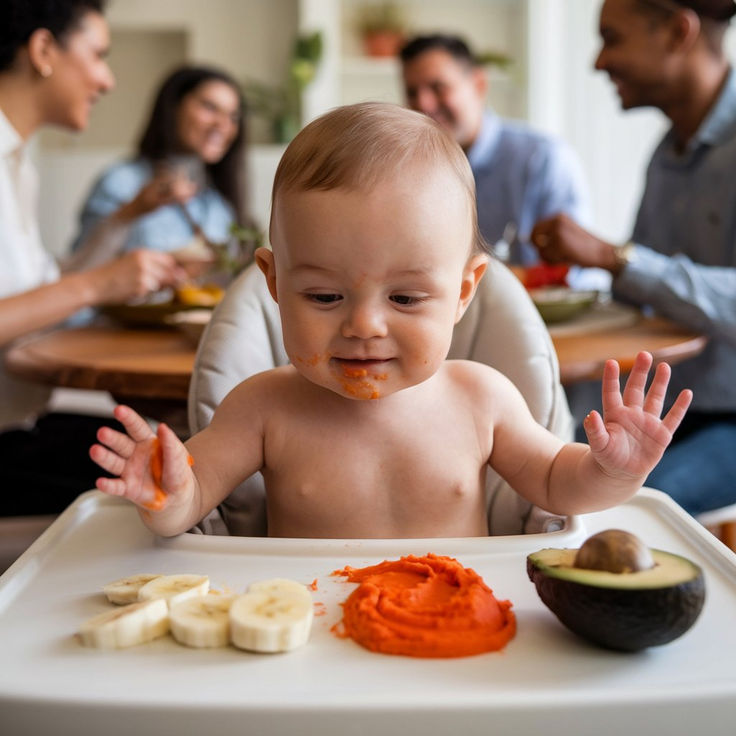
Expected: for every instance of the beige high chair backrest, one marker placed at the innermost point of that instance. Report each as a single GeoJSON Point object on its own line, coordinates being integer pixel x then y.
{"type": "Point", "coordinates": [501, 328]}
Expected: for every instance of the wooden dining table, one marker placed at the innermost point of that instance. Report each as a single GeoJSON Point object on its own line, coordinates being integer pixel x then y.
{"type": "Point", "coordinates": [147, 369]}
{"type": "Point", "coordinates": [156, 365]}
{"type": "Point", "coordinates": [582, 356]}
{"type": "Point", "coordinates": [129, 363]}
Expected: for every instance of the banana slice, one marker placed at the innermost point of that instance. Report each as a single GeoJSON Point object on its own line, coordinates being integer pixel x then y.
{"type": "Point", "coordinates": [125, 590]}
{"type": "Point", "coordinates": [174, 588]}
{"type": "Point", "coordinates": [133, 624]}
{"type": "Point", "coordinates": [202, 621]}
{"type": "Point", "coordinates": [278, 586]}
{"type": "Point", "coordinates": [271, 617]}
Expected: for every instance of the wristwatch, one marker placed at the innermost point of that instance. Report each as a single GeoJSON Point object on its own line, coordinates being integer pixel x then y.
{"type": "Point", "coordinates": [623, 255]}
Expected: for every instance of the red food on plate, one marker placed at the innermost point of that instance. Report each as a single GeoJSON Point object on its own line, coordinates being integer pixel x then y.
{"type": "Point", "coordinates": [545, 274]}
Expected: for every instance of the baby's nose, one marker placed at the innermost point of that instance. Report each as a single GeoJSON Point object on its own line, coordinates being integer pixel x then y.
{"type": "Point", "coordinates": [364, 321]}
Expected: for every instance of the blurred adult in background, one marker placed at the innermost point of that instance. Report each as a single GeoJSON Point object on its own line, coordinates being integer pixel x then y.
{"type": "Point", "coordinates": [681, 260]}
{"type": "Point", "coordinates": [52, 70]}
{"type": "Point", "coordinates": [186, 179]}
{"type": "Point", "coordinates": [521, 176]}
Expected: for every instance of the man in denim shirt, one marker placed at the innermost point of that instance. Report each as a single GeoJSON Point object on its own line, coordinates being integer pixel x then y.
{"type": "Point", "coordinates": [681, 260]}
{"type": "Point", "coordinates": [520, 175]}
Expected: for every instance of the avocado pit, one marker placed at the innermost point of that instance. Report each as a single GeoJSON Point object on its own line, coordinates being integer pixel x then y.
{"type": "Point", "coordinates": [617, 593]}
{"type": "Point", "coordinates": [614, 550]}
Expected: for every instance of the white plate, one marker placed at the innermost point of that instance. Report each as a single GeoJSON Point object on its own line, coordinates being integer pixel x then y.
{"type": "Point", "coordinates": [546, 681]}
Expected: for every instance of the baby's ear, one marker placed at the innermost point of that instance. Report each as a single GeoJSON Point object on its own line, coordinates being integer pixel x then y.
{"type": "Point", "coordinates": [472, 274]}
{"type": "Point", "coordinates": [264, 259]}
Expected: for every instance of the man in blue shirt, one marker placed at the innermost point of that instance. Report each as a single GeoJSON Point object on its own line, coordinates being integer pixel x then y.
{"type": "Point", "coordinates": [521, 176]}
{"type": "Point", "coordinates": [681, 260]}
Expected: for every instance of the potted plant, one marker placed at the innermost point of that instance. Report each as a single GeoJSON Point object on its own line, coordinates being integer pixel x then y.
{"type": "Point", "coordinates": [282, 105]}
{"type": "Point", "coordinates": [383, 29]}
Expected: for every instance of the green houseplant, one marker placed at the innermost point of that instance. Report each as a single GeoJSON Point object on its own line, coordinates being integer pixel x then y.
{"type": "Point", "coordinates": [282, 104]}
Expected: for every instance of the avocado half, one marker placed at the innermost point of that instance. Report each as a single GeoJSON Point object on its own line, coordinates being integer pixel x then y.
{"type": "Point", "coordinates": [626, 611]}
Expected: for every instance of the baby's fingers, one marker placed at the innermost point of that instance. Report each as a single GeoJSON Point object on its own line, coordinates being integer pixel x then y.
{"type": "Point", "coordinates": [116, 441]}
{"type": "Point", "coordinates": [111, 486]}
{"type": "Point", "coordinates": [654, 400]}
{"type": "Point", "coordinates": [135, 425]}
{"type": "Point", "coordinates": [634, 389]}
{"type": "Point", "coordinates": [176, 460]}
{"type": "Point", "coordinates": [596, 432]}
{"type": "Point", "coordinates": [675, 415]}
{"type": "Point", "coordinates": [107, 459]}
{"type": "Point", "coordinates": [611, 390]}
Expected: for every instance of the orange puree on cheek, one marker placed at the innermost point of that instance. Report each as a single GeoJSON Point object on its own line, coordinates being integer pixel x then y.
{"type": "Point", "coordinates": [427, 606]}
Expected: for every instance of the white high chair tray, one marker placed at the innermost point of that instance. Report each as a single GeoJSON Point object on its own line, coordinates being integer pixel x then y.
{"type": "Point", "coordinates": [545, 681]}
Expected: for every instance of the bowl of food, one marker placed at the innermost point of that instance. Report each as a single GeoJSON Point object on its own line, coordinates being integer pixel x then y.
{"type": "Point", "coordinates": [191, 322]}
{"type": "Point", "coordinates": [560, 303]}
{"type": "Point", "coordinates": [157, 312]}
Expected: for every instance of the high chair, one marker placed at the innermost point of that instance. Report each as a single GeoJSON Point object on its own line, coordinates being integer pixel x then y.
{"type": "Point", "coordinates": [501, 328]}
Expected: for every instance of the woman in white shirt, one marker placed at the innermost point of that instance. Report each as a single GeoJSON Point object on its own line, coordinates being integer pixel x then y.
{"type": "Point", "coordinates": [52, 70]}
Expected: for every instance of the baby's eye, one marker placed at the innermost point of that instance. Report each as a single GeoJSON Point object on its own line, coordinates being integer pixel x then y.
{"type": "Point", "coordinates": [405, 300]}
{"type": "Point", "coordinates": [324, 298]}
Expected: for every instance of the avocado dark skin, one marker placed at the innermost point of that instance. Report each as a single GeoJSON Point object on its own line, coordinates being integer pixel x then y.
{"type": "Point", "coordinates": [626, 611]}
{"type": "Point", "coordinates": [625, 620]}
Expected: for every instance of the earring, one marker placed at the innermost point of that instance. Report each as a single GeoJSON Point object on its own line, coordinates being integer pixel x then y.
{"type": "Point", "coordinates": [46, 71]}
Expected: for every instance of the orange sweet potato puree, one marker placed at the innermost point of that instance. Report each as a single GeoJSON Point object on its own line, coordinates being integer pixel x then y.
{"type": "Point", "coordinates": [157, 464]}
{"type": "Point", "coordinates": [427, 606]}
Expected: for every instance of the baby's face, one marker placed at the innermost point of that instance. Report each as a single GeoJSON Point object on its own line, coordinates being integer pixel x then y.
{"type": "Point", "coordinates": [371, 283]}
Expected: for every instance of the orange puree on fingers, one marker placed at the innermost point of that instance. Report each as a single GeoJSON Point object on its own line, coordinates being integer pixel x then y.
{"type": "Point", "coordinates": [427, 606]}
{"type": "Point", "coordinates": [157, 463]}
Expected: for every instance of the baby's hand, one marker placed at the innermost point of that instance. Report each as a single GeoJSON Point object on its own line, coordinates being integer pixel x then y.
{"type": "Point", "coordinates": [150, 468]}
{"type": "Point", "coordinates": [630, 438]}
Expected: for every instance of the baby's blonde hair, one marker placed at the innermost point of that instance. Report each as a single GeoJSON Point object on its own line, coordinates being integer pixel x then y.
{"type": "Point", "coordinates": [356, 146]}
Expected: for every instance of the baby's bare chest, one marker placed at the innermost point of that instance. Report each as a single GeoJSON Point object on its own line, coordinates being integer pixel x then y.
{"type": "Point", "coordinates": [436, 456]}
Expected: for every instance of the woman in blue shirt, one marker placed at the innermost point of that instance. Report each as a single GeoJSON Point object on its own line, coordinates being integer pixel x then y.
{"type": "Point", "coordinates": [188, 174]}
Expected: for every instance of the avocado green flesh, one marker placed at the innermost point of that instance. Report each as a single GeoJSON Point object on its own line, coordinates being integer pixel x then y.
{"type": "Point", "coordinates": [621, 611]}
{"type": "Point", "coordinates": [668, 570]}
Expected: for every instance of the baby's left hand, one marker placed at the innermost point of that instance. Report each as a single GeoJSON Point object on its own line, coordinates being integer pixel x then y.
{"type": "Point", "coordinates": [630, 438]}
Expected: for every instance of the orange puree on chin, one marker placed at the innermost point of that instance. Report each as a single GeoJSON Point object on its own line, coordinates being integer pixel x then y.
{"type": "Point", "coordinates": [427, 606]}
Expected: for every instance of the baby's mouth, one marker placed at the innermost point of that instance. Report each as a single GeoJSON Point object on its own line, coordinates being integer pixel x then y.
{"type": "Point", "coordinates": [361, 367]}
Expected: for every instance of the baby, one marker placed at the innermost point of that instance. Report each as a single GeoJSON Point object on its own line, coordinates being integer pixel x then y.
{"type": "Point", "coordinates": [370, 431]}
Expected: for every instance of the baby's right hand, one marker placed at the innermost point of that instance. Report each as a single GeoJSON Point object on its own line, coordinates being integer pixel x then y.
{"type": "Point", "coordinates": [134, 458]}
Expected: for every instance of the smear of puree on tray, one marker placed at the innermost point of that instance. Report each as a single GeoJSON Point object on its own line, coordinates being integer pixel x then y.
{"type": "Point", "coordinates": [427, 606]}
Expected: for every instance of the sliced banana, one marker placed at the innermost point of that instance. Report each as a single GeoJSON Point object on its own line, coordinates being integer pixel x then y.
{"type": "Point", "coordinates": [125, 590]}
{"type": "Point", "coordinates": [271, 617]}
{"type": "Point", "coordinates": [280, 585]}
{"type": "Point", "coordinates": [174, 588]}
{"type": "Point", "coordinates": [202, 621]}
{"type": "Point", "coordinates": [133, 624]}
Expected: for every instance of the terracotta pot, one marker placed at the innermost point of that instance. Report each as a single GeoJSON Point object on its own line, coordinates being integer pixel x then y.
{"type": "Point", "coordinates": [383, 43]}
